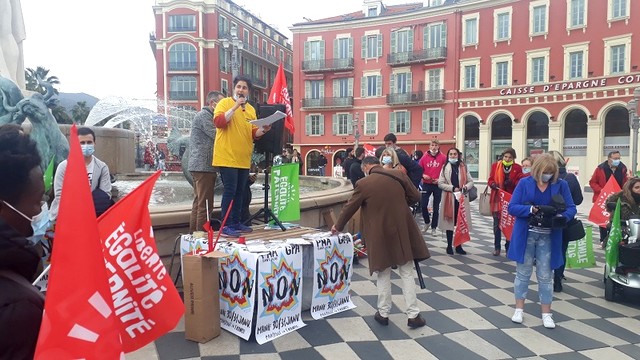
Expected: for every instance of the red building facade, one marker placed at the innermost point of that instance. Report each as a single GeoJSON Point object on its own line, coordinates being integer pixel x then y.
{"type": "Point", "coordinates": [193, 45]}
{"type": "Point", "coordinates": [535, 75]}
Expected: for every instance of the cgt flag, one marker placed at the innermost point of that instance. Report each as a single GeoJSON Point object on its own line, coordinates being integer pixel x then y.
{"type": "Point", "coordinates": [79, 320]}
{"type": "Point", "coordinates": [461, 234]}
{"type": "Point", "coordinates": [599, 213]}
{"type": "Point", "coordinates": [280, 95]}
{"type": "Point", "coordinates": [146, 303]}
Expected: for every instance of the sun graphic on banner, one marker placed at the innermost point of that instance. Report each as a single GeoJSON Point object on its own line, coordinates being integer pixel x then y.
{"type": "Point", "coordinates": [235, 281]}
{"type": "Point", "coordinates": [281, 286]}
{"type": "Point", "coordinates": [333, 273]}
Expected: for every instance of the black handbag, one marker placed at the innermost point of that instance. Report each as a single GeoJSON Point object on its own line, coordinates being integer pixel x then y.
{"type": "Point", "coordinates": [472, 193]}
{"type": "Point", "coordinates": [574, 230]}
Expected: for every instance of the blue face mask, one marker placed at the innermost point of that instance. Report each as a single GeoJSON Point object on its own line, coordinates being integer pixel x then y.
{"type": "Point", "coordinates": [615, 162]}
{"type": "Point", "coordinates": [526, 170]}
{"type": "Point", "coordinates": [546, 177]}
{"type": "Point", "coordinates": [453, 161]}
{"type": "Point", "coordinates": [39, 223]}
{"type": "Point", "coordinates": [88, 149]}
{"type": "Point", "coordinates": [386, 160]}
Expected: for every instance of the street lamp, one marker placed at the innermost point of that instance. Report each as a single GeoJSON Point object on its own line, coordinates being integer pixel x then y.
{"type": "Point", "coordinates": [235, 45]}
{"type": "Point", "coordinates": [356, 126]}
{"type": "Point", "coordinates": [634, 124]}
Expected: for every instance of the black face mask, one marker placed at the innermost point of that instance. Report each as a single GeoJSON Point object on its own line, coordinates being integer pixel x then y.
{"type": "Point", "coordinates": [636, 197]}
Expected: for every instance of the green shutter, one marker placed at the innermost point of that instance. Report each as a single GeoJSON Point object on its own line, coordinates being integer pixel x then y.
{"type": "Point", "coordinates": [441, 121]}
{"type": "Point", "coordinates": [394, 42]}
{"type": "Point", "coordinates": [392, 122]}
{"type": "Point", "coordinates": [336, 88]}
{"type": "Point", "coordinates": [350, 86]}
{"type": "Point", "coordinates": [408, 127]}
{"type": "Point", "coordinates": [307, 89]}
{"type": "Point", "coordinates": [410, 47]}
{"type": "Point", "coordinates": [322, 90]}
{"type": "Point", "coordinates": [321, 124]}
{"type": "Point", "coordinates": [307, 125]}
{"type": "Point", "coordinates": [443, 34]}
{"type": "Point", "coordinates": [349, 124]}
{"type": "Point", "coordinates": [350, 48]}
{"type": "Point", "coordinates": [307, 51]}
{"type": "Point", "coordinates": [392, 83]}
{"type": "Point", "coordinates": [409, 77]}
{"type": "Point", "coordinates": [379, 85]}
{"type": "Point", "coordinates": [425, 121]}
{"type": "Point", "coordinates": [334, 118]}
{"type": "Point", "coordinates": [379, 45]}
{"type": "Point", "coordinates": [364, 47]}
{"type": "Point", "coordinates": [425, 37]}
{"type": "Point", "coordinates": [336, 53]}
{"type": "Point", "coordinates": [363, 86]}
{"type": "Point", "coordinates": [321, 50]}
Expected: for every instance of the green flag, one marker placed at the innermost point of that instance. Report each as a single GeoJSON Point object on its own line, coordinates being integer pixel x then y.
{"type": "Point", "coordinates": [615, 236]}
{"type": "Point", "coordinates": [285, 192]}
{"type": "Point", "coordinates": [580, 252]}
{"type": "Point", "coordinates": [48, 176]}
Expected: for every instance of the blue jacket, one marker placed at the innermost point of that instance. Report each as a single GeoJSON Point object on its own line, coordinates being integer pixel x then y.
{"type": "Point", "coordinates": [520, 207]}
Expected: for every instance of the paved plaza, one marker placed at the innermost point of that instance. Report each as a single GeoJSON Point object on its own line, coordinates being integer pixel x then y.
{"type": "Point", "coordinates": [467, 305]}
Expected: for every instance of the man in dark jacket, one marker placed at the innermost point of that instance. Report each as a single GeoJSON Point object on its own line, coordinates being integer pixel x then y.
{"type": "Point", "coordinates": [391, 232]}
{"type": "Point", "coordinates": [21, 192]}
{"type": "Point", "coordinates": [346, 164]}
{"type": "Point", "coordinates": [356, 170]}
{"type": "Point", "coordinates": [612, 166]}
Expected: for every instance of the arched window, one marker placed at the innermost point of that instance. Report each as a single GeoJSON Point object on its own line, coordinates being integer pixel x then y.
{"type": "Point", "coordinates": [537, 133]}
{"type": "Point", "coordinates": [311, 163]}
{"type": "Point", "coordinates": [182, 57]}
{"type": "Point", "coordinates": [471, 138]}
{"type": "Point", "coordinates": [575, 133]}
{"type": "Point", "coordinates": [500, 135]}
{"type": "Point", "coordinates": [183, 88]}
{"type": "Point", "coordinates": [616, 131]}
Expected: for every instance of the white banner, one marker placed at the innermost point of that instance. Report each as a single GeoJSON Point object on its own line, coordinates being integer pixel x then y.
{"type": "Point", "coordinates": [279, 293]}
{"type": "Point", "coordinates": [333, 258]}
{"type": "Point", "coordinates": [237, 295]}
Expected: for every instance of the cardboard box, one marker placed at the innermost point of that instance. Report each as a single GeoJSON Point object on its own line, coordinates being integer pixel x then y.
{"type": "Point", "coordinates": [201, 298]}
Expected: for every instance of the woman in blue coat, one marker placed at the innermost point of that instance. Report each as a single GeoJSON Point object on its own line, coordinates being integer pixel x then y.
{"type": "Point", "coordinates": [537, 241]}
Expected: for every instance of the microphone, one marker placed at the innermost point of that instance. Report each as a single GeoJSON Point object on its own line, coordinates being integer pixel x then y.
{"type": "Point", "coordinates": [243, 104]}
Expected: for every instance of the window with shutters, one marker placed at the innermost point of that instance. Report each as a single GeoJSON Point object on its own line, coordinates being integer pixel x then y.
{"type": "Point", "coordinates": [314, 125]}
{"type": "Point", "coordinates": [617, 55]}
{"type": "Point", "coordinates": [401, 83]}
{"type": "Point", "coordinates": [343, 48]}
{"type": "Point", "coordinates": [371, 85]}
{"type": "Point", "coordinates": [470, 29]}
{"type": "Point", "coordinates": [400, 122]}
{"type": "Point", "coordinates": [342, 124]}
{"type": "Point", "coordinates": [434, 78]}
{"type": "Point", "coordinates": [371, 123]}
{"type": "Point", "coordinates": [401, 41]}
{"type": "Point", "coordinates": [371, 46]}
{"type": "Point", "coordinates": [314, 50]}
{"type": "Point", "coordinates": [432, 121]}
{"type": "Point", "coordinates": [435, 36]}
{"type": "Point", "coordinates": [343, 87]}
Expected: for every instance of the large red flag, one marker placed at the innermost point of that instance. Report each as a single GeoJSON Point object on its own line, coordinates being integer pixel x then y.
{"type": "Point", "coordinates": [280, 95]}
{"type": "Point", "coordinates": [461, 234]}
{"type": "Point", "coordinates": [78, 321]}
{"type": "Point", "coordinates": [599, 214]}
{"type": "Point", "coordinates": [506, 220]}
{"type": "Point", "coordinates": [145, 300]}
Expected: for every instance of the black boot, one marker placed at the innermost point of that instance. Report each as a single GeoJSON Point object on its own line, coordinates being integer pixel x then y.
{"type": "Point", "coordinates": [557, 284]}
{"type": "Point", "coordinates": [449, 242]}
{"type": "Point", "coordinates": [460, 251]}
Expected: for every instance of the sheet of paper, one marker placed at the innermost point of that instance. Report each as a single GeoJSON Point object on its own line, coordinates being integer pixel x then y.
{"type": "Point", "coordinates": [269, 119]}
{"type": "Point", "coordinates": [297, 241]}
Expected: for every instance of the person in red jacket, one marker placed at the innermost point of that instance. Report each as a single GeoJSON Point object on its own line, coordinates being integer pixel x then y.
{"type": "Point", "coordinates": [505, 175]}
{"type": "Point", "coordinates": [431, 162]}
{"type": "Point", "coordinates": [612, 166]}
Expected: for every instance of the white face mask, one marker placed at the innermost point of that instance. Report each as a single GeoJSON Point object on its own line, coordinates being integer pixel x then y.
{"type": "Point", "coordinates": [386, 160]}
{"type": "Point", "coordinates": [39, 223]}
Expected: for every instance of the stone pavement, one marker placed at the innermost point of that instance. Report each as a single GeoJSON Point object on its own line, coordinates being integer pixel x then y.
{"type": "Point", "coordinates": [467, 305]}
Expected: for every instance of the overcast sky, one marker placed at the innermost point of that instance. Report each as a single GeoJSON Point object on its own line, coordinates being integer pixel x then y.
{"type": "Point", "coordinates": [102, 47]}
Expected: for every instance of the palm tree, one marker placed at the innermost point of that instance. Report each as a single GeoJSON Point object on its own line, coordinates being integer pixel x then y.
{"type": "Point", "coordinates": [61, 115]}
{"type": "Point", "coordinates": [31, 77]}
{"type": "Point", "coordinates": [80, 112]}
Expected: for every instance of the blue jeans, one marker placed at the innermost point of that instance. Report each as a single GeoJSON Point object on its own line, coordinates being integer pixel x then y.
{"type": "Point", "coordinates": [538, 248]}
{"type": "Point", "coordinates": [234, 181]}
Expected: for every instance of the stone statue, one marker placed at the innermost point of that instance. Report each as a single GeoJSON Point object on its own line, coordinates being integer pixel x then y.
{"type": "Point", "coordinates": [12, 34]}
{"type": "Point", "coordinates": [45, 132]}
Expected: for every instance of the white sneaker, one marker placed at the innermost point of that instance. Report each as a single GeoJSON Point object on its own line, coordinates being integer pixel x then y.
{"type": "Point", "coordinates": [425, 229]}
{"type": "Point", "coordinates": [517, 316]}
{"type": "Point", "coordinates": [547, 321]}
{"type": "Point", "coordinates": [434, 232]}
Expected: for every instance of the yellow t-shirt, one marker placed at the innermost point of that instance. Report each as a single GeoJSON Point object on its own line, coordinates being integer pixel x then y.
{"type": "Point", "coordinates": [234, 142]}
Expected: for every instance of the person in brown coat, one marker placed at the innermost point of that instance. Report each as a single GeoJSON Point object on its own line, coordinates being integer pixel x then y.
{"type": "Point", "coordinates": [391, 233]}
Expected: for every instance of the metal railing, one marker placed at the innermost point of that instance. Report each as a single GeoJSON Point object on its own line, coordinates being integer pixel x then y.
{"type": "Point", "coordinates": [417, 56]}
{"type": "Point", "coordinates": [327, 64]}
{"type": "Point", "coordinates": [183, 65]}
{"type": "Point", "coordinates": [183, 95]}
{"type": "Point", "coordinates": [328, 102]}
{"type": "Point", "coordinates": [416, 97]}
{"type": "Point", "coordinates": [262, 54]}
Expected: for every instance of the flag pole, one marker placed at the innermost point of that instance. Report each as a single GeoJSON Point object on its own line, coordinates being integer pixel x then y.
{"type": "Point", "coordinates": [44, 272]}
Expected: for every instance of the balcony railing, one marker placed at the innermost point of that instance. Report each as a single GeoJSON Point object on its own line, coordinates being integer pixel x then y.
{"type": "Point", "coordinates": [327, 65]}
{"type": "Point", "coordinates": [416, 97]}
{"type": "Point", "coordinates": [418, 56]}
{"type": "Point", "coordinates": [263, 55]}
{"type": "Point", "coordinates": [329, 102]}
{"type": "Point", "coordinates": [257, 82]}
{"type": "Point", "coordinates": [183, 65]}
{"type": "Point", "coordinates": [187, 28]}
{"type": "Point", "coordinates": [183, 95]}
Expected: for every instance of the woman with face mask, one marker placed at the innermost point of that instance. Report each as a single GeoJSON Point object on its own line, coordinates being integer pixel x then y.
{"type": "Point", "coordinates": [505, 174]}
{"type": "Point", "coordinates": [389, 160]}
{"type": "Point", "coordinates": [21, 192]}
{"type": "Point", "coordinates": [526, 166]}
{"type": "Point", "coordinates": [629, 200]}
{"type": "Point", "coordinates": [537, 241]}
{"type": "Point", "coordinates": [454, 178]}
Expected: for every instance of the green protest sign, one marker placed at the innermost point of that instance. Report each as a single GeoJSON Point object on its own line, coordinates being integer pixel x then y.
{"type": "Point", "coordinates": [285, 192]}
{"type": "Point", "coordinates": [580, 252]}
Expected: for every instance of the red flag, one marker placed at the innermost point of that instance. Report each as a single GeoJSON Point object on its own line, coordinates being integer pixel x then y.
{"type": "Point", "coordinates": [280, 95]}
{"type": "Point", "coordinates": [79, 320]}
{"type": "Point", "coordinates": [599, 214]}
{"type": "Point", "coordinates": [506, 220]}
{"type": "Point", "coordinates": [147, 304]}
{"type": "Point", "coordinates": [461, 234]}
{"type": "Point", "coordinates": [369, 150]}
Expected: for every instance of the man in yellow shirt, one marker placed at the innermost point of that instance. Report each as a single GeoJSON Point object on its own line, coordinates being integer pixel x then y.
{"type": "Point", "coordinates": [233, 148]}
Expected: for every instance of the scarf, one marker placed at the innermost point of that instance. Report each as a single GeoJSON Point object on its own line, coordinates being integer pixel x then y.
{"type": "Point", "coordinates": [500, 174]}
{"type": "Point", "coordinates": [448, 195]}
